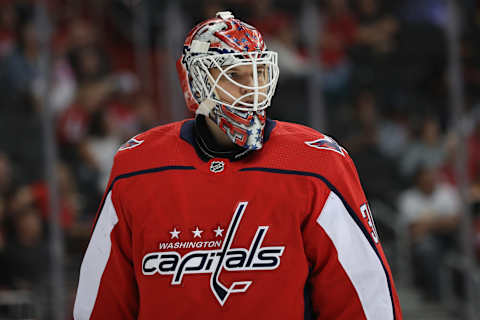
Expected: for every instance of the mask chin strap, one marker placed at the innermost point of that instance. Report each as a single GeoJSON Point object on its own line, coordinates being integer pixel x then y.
{"type": "Point", "coordinates": [205, 107]}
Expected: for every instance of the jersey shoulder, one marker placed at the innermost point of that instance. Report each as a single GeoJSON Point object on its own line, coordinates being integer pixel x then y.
{"type": "Point", "coordinates": [149, 149]}
{"type": "Point", "coordinates": [299, 149]}
{"type": "Point", "coordinates": [305, 140]}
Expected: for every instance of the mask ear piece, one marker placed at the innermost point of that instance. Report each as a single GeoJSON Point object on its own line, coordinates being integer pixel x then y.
{"type": "Point", "coordinates": [205, 107]}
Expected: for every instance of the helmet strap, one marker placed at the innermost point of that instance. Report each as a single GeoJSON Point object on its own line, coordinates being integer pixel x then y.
{"type": "Point", "coordinates": [205, 107]}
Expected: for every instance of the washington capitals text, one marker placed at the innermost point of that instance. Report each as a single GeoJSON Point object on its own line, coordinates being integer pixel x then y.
{"type": "Point", "coordinates": [214, 261]}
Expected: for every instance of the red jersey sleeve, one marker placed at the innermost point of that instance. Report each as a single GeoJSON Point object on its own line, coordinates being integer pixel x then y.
{"type": "Point", "coordinates": [345, 255]}
{"type": "Point", "coordinates": [107, 287]}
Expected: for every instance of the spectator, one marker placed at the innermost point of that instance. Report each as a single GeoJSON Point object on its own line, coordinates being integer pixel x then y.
{"type": "Point", "coordinates": [427, 150]}
{"type": "Point", "coordinates": [18, 72]}
{"type": "Point", "coordinates": [27, 259]}
{"type": "Point", "coordinates": [89, 64]}
{"type": "Point", "coordinates": [26, 252]}
{"type": "Point", "coordinates": [290, 59]}
{"type": "Point", "coordinates": [431, 210]}
{"type": "Point", "coordinates": [36, 196]}
{"type": "Point", "coordinates": [87, 57]}
{"type": "Point", "coordinates": [376, 29]}
{"type": "Point", "coordinates": [339, 30]}
{"type": "Point", "coordinates": [393, 133]}
{"type": "Point", "coordinates": [73, 123]}
{"type": "Point", "coordinates": [338, 34]}
{"type": "Point", "coordinates": [472, 161]}
{"type": "Point", "coordinates": [377, 172]}
{"type": "Point", "coordinates": [121, 110]}
{"type": "Point", "coordinates": [64, 85]}
{"type": "Point", "coordinates": [68, 202]}
{"type": "Point", "coordinates": [374, 45]}
{"type": "Point", "coordinates": [145, 110]}
{"type": "Point", "coordinates": [363, 122]}
{"type": "Point", "coordinates": [100, 146]}
{"type": "Point", "coordinates": [267, 17]}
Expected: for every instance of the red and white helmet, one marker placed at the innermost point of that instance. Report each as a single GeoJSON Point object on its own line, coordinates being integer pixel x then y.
{"type": "Point", "coordinates": [224, 43]}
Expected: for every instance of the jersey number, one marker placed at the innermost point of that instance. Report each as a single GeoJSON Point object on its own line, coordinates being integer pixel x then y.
{"type": "Point", "coordinates": [367, 214]}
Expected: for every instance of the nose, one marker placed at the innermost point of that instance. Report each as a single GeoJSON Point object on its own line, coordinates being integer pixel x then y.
{"type": "Point", "coordinates": [250, 97]}
{"type": "Point", "coordinates": [248, 81]}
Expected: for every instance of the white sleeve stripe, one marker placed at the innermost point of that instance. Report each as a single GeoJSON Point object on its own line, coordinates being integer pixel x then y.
{"type": "Point", "coordinates": [357, 257]}
{"type": "Point", "coordinates": [95, 261]}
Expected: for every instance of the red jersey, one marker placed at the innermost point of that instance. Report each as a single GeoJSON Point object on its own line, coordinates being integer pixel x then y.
{"type": "Point", "coordinates": [178, 237]}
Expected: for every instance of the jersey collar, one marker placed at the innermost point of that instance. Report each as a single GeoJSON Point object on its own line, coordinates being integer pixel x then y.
{"type": "Point", "coordinates": [196, 133]}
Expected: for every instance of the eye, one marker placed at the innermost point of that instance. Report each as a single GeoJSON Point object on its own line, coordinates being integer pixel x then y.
{"type": "Point", "coordinates": [232, 74]}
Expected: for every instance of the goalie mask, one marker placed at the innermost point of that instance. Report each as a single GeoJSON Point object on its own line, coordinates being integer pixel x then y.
{"type": "Point", "coordinates": [227, 74]}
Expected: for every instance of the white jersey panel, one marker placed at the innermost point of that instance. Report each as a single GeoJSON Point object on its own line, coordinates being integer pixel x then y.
{"type": "Point", "coordinates": [358, 259]}
{"type": "Point", "coordinates": [95, 261]}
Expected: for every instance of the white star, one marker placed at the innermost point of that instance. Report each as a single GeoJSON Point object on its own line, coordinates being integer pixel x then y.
{"type": "Point", "coordinates": [174, 233]}
{"type": "Point", "coordinates": [218, 232]}
{"type": "Point", "coordinates": [197, 233]}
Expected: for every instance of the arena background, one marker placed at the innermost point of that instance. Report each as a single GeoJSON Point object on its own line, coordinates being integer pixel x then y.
{"type": "Point", "coordinates": [397, 83]}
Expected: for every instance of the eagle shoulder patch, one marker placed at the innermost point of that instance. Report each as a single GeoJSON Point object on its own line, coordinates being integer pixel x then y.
{"type": "Point", "coordinates": [132, 143]}
{"type": "Point", "coordinates": [326, 143]}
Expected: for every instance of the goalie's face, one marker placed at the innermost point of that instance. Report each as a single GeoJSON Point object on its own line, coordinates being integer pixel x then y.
{"type": "Point", "coordinates": [241, 81]}
{"type": "Point", "coordinates": [242, 85]}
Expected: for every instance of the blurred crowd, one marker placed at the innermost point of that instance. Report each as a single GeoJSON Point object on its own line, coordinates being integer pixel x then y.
{"type": "Point", "coordinates": [382, 75]}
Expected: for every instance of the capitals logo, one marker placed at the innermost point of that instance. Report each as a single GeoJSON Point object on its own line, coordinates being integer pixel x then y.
{"type": "Point", "coordinates": [215, 261]}
{"type": "Point", "coordinates": [132, 143]}
{"type": "Point", "coordinates": [326, 143]}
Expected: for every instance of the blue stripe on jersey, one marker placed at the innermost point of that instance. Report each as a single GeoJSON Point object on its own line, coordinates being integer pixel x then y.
{"type": "Point", "coordinates": [345, 203]}
{"type": "Point", "coordinates": [136, 173]}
